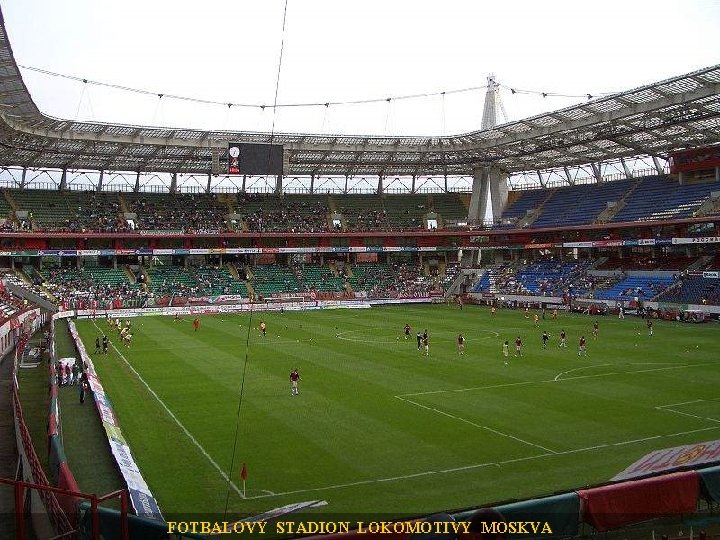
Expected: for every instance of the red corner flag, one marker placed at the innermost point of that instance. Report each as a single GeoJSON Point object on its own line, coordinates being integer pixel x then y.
{"type": "Point", "coordinates": [243, 472]}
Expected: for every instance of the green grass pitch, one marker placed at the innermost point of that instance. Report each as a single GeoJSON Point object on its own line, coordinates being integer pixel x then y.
{"type": "Point", "coordinates": [379, 427]}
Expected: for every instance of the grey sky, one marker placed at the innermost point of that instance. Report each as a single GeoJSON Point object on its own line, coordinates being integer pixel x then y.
{"type": "Point", "coordinates": [334, 51]}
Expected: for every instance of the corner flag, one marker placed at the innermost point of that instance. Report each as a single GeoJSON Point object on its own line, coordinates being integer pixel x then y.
{"type": "Point", "coordinates": [243, 475]}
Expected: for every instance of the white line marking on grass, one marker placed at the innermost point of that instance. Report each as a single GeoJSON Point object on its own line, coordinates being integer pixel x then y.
{"type": "Point", "coordinates": [468, 467]}
{"type": "Point", "coordinates": [175, 419]}
{"type": "Point", "coordinates": [559, 375]}
{"type": "Point", "coordinates": [666, 409]}
{"type": "Point", "coordinates": [637, 440]}
{"type": "Point", "coordinates": [677, 404]}
{"type": "Point", "coordinates": [487, 428]}
{"type": "Point", "coordinates": [467, 389]}
{"type": "Point", "coordinates": [564, 379]}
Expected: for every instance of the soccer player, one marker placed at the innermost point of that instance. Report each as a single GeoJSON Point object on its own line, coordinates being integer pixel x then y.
{"type": "Point", "coordinates": [537, 320]}
{"type": "Point", "coordinates": [461, 344]}
{"type": "Point", "coordinates": [518, 346]}
{"type": "Point", "coordinates": [426, 343]}
{"type": "Point", "coordinates": [97, 344]}
{"type": "Point", "coordinates": [177, 317]}
{"type": "Point", "coordinates": [407, 331]}
{"type": "Point", "coordinates": [294, 378]}
{"type": "Point", "coordinates": [621, 313]}
{"type": "Point", "coordinates": [419, 339]}
{"type": "Point", "coordinates": [545, 338]}
{"type": "Point", "coordinates": [127, 339]}
{"type": "Point", "coordinates": [650, 327]}
{"type": "Point", "coordinates": [263, 328]}
{"type": "Point", "coordinates": [563, 339]}
{"type": "Point", "coordinates": [582, 346]}
{"type": "Point", "coordinates": [124, 332]}
{"type": "Point", "coordinates": [527, 312]}
{"type": "Point", "coordinates": [105, 343]}
{"type": "Point", "coordinates": [506, 351]}
{"type": "Point", "coordinates": [596, 329]}
{"type": "Point", "coordinates": [555, 314]}
{"type": "Point", "coordinates": [196, 323]}
{"type": "Point", "coordinates": [492, 311]}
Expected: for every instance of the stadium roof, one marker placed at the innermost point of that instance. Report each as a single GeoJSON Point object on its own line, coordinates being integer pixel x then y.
{"type": "Point", "coordinates": [680, 112]}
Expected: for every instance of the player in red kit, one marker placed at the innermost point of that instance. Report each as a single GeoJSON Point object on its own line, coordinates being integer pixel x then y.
{"type": "Point", "coordinates": [294, 378]}
{"type": "Point", "coordinates": [518, 347]}
{"type": "Point", "coordinates": [582, 347]}
{"type": "Point", "coordinates": [196, 323]}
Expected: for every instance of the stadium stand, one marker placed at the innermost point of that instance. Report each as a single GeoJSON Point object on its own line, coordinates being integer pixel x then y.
{"type": "Point", "coordinates": [577, 205]}
{"type": "Point", "coordinates": [522, 203]}
{"type": "Point", "coordinates": [642, 287]}
{"type": "Point", "coordinates": [274, 279]}
{"type": "Point", "coordinates": [693, 290]}
{"type": "Point", "coordinates": [79, 287]}
{"type": "Point", "coordinates": [321, 278]}
{"type": "Point", "coordinates": [362, 212]}
{"type": "Point", "coordinates": [660, 197]}
{"type": "Point", "coordinates": [405, 211]}
{"type": "Point", "coordinates": [214, 281]}
{"type": "Point", "coordinates": [292, 213]}
{"type": "Point", "coordinates": [637, 262]}
{"type": "Point", "coordinates": [191, 212]}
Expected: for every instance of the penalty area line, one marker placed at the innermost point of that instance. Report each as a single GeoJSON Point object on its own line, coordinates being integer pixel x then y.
{"type": "Point", "coordinates": [177, 421]}
{"type": "Point", "coordinates": [470, 422]}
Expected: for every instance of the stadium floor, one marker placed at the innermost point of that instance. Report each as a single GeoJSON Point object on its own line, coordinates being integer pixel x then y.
{"type": "Point", "coordinates": [380, 428]}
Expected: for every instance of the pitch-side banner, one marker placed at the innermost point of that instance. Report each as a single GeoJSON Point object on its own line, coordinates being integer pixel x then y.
{"type": "Point", "coordinates": [141, 498]}
{"type": "Point", "coordinates": [668, 459]}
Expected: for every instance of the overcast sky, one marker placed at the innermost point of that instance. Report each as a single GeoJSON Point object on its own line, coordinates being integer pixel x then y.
{"type": "Point", "coordinates": [227, 50]}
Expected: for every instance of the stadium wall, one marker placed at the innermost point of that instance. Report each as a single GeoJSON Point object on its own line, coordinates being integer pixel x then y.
{"type": "Point", "coordinates": [47, 514]}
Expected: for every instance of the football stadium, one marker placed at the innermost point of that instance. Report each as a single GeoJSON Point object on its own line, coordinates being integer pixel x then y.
{"type": "Point", "coordinates": [224, 313]}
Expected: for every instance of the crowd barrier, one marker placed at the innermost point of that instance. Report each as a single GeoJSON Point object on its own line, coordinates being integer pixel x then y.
{"type": "Point", "coordinates": [53, 518]}
{"type": "Point", "coordinates": [140, 495]}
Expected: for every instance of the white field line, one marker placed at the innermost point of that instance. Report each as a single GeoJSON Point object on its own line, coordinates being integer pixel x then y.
{"type": "Point", "coordinates": [487, 428]}
{"type": "Point", "coordinates": [175, 419]}
{"type": "Point", "coordinates": [472, 466]}
{"type": "Point", "coordinates": [678, 404]}
{"type": "Point", "coordinates": [559, 375]}
{"type": "Point", "coordinates": [549, 453]}
{"type": "Point", "coordinates": [562, 379]}
{"type": "Point", "coordinates": [671, 408]}
{"type": "Point", "coordinates": [666, 409]}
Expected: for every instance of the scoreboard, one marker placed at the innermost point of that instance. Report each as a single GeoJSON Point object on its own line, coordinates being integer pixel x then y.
{"type": "Point", "coordinates": [255, 159]}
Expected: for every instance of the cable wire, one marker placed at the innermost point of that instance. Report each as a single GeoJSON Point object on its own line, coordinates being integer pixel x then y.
{"type": "Point", "coordinates": [247, 337]}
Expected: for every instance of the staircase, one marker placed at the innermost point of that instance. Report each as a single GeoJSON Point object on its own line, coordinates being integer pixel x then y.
{"type": "Point", "coordinates": [701, 263]}
{"type": "Point", "coordinates": [465, 200]}
{"type": "Point", "coordinates": [251, 289]}
{"type": "Point", "coordinates": [609, 213]}
{"type": "Point", "coordinates": [20, 273]}
{"type": "Point", "coordinates": [233, 271]}
{"type": "Point", "coordinates": [10, 200]}
{"type": "Point", "coordinates": [710, 206]}
{"type": "Point", "coordinates": [130, 274]}
{"type": "Point", "coordinates": [124, 207]}
{"type": "Point", "coordinates": [532, 217]}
